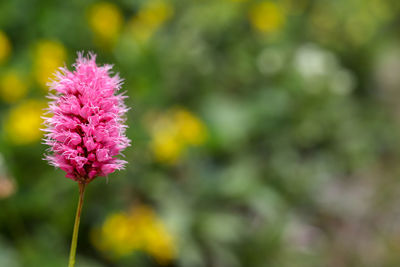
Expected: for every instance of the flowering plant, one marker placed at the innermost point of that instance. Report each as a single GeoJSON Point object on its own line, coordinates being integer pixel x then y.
{"type": "Point", "coordinates": [85, 127]}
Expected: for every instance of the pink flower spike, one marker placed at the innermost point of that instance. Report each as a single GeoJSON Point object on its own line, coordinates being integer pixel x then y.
{"type": "Point", "coordinates": [85, 128]}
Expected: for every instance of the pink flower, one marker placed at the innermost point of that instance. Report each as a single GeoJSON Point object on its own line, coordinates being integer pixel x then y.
{"type": "Point", "coordinates": [85, 128]}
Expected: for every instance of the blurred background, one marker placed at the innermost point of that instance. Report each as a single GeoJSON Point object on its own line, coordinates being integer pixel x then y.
{"type": "Point", "coordinates": [265, 133]}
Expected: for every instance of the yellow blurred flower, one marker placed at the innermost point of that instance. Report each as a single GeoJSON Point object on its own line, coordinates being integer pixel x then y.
{"type": "Point", "coordinates": [105, 20]}
{"type": "Point", "coordinates": [24, 122]}
{"type": "Point", "coordinates": [149, 19]}
{"type": "Point", "coordinates": [140, 229]}
{"type": "Point", "coordinates": [12, 86]}
{"type": "Point", "coordinates": [267, 17]}
{"type": "Point", "coordinates": [5, 47]}
{"type": "Point", "coordinates": [48, 56]}
{"type": "Point", "coordinates": [166, 147]}
{"type": "Point", "coordinates": [172, 132]}
{"type": "Point", "coordinates": [190, 129]}
{"type": "Point", "coordinates": [115, 235]}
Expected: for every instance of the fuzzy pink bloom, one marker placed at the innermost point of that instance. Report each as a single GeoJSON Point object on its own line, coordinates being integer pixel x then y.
{"type": "Point", "coordinates": [85, 128]}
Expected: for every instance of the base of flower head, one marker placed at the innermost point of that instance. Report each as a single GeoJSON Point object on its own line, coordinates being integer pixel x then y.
{"type": "Point", "coordinates": [81, 180]}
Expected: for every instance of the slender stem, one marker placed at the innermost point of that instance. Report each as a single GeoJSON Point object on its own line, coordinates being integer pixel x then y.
{"type": "Point", "coordinates": [76, 226]}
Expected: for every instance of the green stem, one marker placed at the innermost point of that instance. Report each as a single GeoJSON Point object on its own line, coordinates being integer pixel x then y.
{"type": "Point", "coordinates": [76, 226]}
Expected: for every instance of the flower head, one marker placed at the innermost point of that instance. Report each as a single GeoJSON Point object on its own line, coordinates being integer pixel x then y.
{"type": "Point", "coordinates": [85, 129]}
